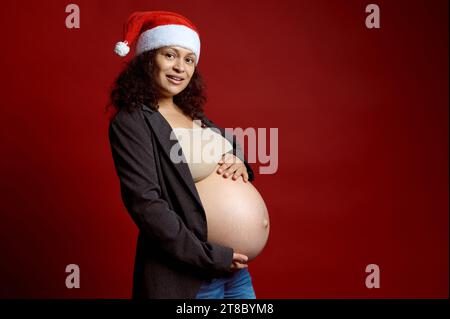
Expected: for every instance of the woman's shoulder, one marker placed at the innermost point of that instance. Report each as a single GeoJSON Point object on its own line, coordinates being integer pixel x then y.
{"type": "Point", "coordinates": [126, 116]}
{"type": "Point", "coordinates": [129, 120]}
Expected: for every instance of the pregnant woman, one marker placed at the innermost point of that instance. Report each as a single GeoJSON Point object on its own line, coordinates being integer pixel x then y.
{"type": "Point", "coordinates": [184, 181]}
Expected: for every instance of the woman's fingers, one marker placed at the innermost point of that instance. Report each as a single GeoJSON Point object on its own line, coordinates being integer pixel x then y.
{"type": "Point", "coordinates": [237, 265]}
{"type": "Point", "coordinates": [230, 171]}
{"type": "Point", "coordinates": [224, 167]}
{"type": "Point", "coordinates": [237, 173]}
{"type": "Point", "coordinates": [240, 258]}
{"type": "Point", "coordinates": [234, 169]}
{"type": "Point", "coordinates": [230, 165]}
{"type": "Point", "coordinates": [239, 261]}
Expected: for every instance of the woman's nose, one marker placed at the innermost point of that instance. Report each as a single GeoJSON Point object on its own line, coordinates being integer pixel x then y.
{"type": "Point", "coordinates": [179, 66]}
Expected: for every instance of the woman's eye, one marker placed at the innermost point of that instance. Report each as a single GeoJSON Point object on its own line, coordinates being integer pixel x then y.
{"type": "Point", "coordinates": [190, 60]}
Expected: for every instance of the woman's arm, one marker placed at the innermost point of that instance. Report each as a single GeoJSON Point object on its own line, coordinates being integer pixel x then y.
{"type": "Point", "coordinates": [134, 161]}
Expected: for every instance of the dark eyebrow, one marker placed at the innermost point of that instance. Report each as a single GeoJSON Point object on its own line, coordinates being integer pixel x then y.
{"type": "Point", "coordinates": [179, 51]}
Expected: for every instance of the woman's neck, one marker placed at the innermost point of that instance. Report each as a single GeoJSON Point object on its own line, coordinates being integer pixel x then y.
{"type": "Point", "coordinates": [167, 106]}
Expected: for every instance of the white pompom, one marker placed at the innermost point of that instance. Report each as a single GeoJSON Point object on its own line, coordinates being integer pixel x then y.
{"type": "Point", "coordinates": [122, 48]}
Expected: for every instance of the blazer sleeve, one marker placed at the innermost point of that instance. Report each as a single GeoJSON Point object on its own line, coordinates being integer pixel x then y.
{"type": "Point", "coordinates": [134, 162]}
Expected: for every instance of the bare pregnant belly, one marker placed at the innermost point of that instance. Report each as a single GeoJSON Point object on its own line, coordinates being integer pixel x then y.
{"type": "Point", "coordinates": [236, 214]}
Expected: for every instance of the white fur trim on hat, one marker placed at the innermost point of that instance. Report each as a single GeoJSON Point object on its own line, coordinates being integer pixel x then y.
{"type": "Point", "coordinates": [169, 34]}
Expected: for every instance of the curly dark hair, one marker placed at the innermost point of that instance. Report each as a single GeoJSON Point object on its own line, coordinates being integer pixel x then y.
{"type": "Point", "coordinates": [134, 86]}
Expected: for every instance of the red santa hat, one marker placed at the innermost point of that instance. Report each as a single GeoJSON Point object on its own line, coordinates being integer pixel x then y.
{"type": "Point", "coordinates": [157, 29]}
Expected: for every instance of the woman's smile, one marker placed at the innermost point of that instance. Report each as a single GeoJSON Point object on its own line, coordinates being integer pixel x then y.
{"type": "Point", "coordinates": [175, 80]}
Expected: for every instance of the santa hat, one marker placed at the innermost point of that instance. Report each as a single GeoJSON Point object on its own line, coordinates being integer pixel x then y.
{"type": "Point", "coordinates": [158, 29]}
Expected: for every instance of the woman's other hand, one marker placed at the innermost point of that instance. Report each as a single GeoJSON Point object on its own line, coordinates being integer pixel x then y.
{"type": "Point", "coordinates": [231, 165]}
{"type": "Point", "coordinates": [239, 261]}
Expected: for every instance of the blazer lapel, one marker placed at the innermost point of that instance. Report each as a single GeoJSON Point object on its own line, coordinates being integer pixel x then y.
{"type": "Point", "coordinates": [162, 130]}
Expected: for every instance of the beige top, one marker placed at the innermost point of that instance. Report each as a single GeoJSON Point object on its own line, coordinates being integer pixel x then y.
{"type": "Point", "coordinates": [203, 148]}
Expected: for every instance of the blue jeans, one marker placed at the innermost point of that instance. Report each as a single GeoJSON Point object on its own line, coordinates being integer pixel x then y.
{"type": "Point", "coordinates": [237, 285]}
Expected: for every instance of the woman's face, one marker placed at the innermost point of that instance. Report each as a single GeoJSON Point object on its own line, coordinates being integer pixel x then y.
{"type": "Point", "coordinates": [173, 61]}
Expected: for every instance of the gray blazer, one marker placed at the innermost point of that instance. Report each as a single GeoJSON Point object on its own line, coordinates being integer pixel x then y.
{"type": "Point", "coordinates": [173, 256]}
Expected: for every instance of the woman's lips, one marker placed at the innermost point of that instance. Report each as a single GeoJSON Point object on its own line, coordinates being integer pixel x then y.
{"type": "Point", "coordinates": [172, 80]}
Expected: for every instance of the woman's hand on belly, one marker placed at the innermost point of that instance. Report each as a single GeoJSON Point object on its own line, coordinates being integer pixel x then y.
{"type": "Point", "coordinates": [231, 165]}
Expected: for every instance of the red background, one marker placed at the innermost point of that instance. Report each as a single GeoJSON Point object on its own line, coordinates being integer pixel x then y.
{"type": "Point", "coordinates": [362, 116]}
